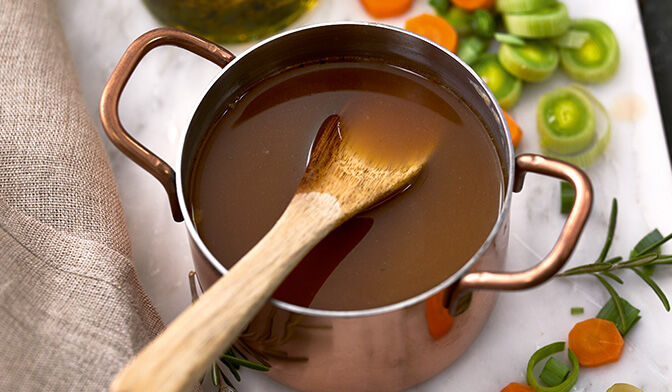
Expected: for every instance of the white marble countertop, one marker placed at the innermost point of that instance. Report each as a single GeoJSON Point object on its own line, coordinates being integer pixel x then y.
{"type": "Point", "coordinates": [168, 84]}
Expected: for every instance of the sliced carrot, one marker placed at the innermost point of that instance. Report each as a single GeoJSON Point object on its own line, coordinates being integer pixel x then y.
{"type": "Point", "coordinates": [439, 320]}
{"type": "Point", "coordinates": [386, 8]}
{"type": "Point", "coordinates": [596, 342]}
{"type": "Point", "coordinates": [435, 28]}
{"type": "Point", "coordinates": [471, 5]}
{"type": "Point", "coordinates": [516, 387]}
{"type": "Point", "coordinates": [516, 132]}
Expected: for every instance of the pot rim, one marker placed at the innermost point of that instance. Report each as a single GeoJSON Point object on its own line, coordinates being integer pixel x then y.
{"type": "Point", "coordinates": [484, 92]}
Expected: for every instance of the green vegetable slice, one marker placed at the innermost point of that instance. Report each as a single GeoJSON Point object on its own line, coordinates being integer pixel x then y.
{"type": "Point", "coordinates": [597, 59]}
{"type": "Point", "coordinates": [532, 62]}
{"type": "Point", "coordinates": [505, 86]}
{"type": "Point", "coordinates": [554, 372]}
{"type": "Point", "coordinates": [507, 6]}
{"type": "Point", "coordinates": [573, 143]}
{"type": "Point", "coordinates": [565, 120]}
{"type": "Point", "coordinates": [573, 39]}
{"type": "Point", "coordinates": [620, 387]}
{"type": "Point", "coordinates": [548, 22]}
{"type": "Point", "coordinates": [471, 48]}
{"type": "Point", "coordinates": [609, 312]}
{"type": "Point", "coordinates": [460, 19]}
{"type": "Point", "coordinates": [509, 39]}
{"type": "Point", "coordinates": [567, 196]}
{"type": "Point", "coordinates": [576, 310]}
{"type": "Point", "coordinates": [483, 23]}
{"type": "Point", "coordinates": [547, 351]}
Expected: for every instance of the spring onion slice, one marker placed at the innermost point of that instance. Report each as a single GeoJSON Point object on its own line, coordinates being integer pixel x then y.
{"type": "Point", "coordinates": [507, 6]}
{"type": "Point", "coordinates": [547, 351]}
{"type": "Point", "coordinates": [482, 23]}
{"type": "Point", "coordinates": [509, 39]}
{"type": "Point", "coordinates": [631, 314]}
{"type": "Point", "coordinates": [567, 196]}
{"type": "Point", "coordinates": [597, 59]}
{"type": "Point", "coordinates": [554, 372]}
{"type": "Point", "coordinates": [460, 19]}
{"type": "Point", "coordinates": [505, 86]}
{"type": "Point", "coordinates": [620, 387]}
{"type": "Point", "coordinates": [548, 22]}
{"type": "Point", "coordinates": [471, 48]}
{"type": "Point", "coordinates": [602, 134]}
{"type": "Point", "coordinates": [565, 120]}
{"type": "Point", "coordinates": [576, 310]}
{"type": "Point", "coordinates": [532, 62]}
{"type": "Point", "coordinates": [573, 39]}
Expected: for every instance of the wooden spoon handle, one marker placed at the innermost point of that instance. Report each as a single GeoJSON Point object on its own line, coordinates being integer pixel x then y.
{"type": "Point", "coordinates": [177, 358]}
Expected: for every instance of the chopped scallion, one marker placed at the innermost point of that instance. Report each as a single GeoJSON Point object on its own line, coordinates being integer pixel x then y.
{"type": "Point", "coordinates": [548, 22]}
{"type": "Point", "coordinates": [576, 310]}
{"type": "Point", "coordinates": [509, 39]}
{"type": "Point", "coordinates": [545, 352]}
{"type": "Point", "coordinates": [554, 372]}
{"type": "Point", "coordinates": [460, 19]}
{"type": "Point", "coordinates": [471, 48]}
{"type": "Point", "coordinates": [482, 23]}
{"type": "Point", "coordinates": [567, 196]}
{"type": "Point", "coordinates": [631, 314]}
{"type": "Point", "coordinates": [573, 39]}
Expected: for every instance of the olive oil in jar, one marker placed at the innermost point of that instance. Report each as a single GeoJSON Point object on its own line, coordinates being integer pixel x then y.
{"type": "Point", "coordinates": [229, 20]}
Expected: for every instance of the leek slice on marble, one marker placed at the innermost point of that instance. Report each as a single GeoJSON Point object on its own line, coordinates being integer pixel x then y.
{"type": "Point", "coordinates": [471, 48]}
{"type": "Point", "coordinates": [620, 387]}
{"type": "Point", "coordinates": [532, 62]}
{"type": "Point", "coordinates": [573, 125]}
{"type": "Point", "coordinates": [547, 351]}
{"type": "Point", "coordinates": [597, 59]}
{"type": "Point", "coordinates": [503, 85]}
{"type": "Point", "coordinates": [460, 19]}
{"type": "Point", "coordinates": [506, 6]}
{"type": "Point", "coordinates": [548, 22]}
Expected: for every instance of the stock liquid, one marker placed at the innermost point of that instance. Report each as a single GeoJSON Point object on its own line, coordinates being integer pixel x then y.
{"type": "Point", "coordinates": [254, 156]}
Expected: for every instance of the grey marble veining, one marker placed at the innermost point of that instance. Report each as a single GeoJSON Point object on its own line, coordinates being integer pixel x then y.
{"type": "Point", "coordinates": [168, 84]}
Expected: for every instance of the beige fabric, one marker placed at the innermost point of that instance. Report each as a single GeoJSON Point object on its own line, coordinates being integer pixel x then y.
{"type": "Point", "coordinates": [71, 309]}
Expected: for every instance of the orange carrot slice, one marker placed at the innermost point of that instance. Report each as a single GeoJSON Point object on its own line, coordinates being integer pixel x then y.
{"type": "Point", "coordinates": [435, 28]}
{"type": "Point", "coordinates": [471, 5]}
{"type": "Point", "coordinates": [439, 320]}
{"type": "Point", "coordinates": [516, 132]}
{"type": "Point", "coordinates": [386, 8]}
{"type": "Point", "coordinates": [596, 342]}
{"type": "Point", "coordinates": [517, 387]}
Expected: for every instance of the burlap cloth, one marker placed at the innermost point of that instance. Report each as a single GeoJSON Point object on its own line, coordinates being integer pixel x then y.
{"type": "Point", "coordinates": [71, 309]}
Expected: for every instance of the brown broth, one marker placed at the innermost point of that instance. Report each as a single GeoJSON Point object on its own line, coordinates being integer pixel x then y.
{"type": "Point", "coordinates": [255, 155]}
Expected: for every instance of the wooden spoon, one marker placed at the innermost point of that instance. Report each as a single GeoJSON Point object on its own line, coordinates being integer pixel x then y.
{"type": "Point", "coordinates": [341, 179]}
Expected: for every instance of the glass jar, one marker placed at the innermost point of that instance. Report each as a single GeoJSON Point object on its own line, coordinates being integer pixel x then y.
{"type": "Point", "coordinates": [229, 21]}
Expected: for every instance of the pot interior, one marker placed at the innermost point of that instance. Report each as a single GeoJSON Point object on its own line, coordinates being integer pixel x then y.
{"type": "Point", "coordinates": [339, 44]}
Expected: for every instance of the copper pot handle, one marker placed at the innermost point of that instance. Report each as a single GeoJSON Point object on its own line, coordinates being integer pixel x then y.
{"type": "Point", "coordinates": [109, 102]}
{"type": "Point", "coordinates": [460, 297]}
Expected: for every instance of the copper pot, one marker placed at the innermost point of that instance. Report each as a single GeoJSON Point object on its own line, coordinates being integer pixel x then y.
{"type": "Point", "coordinates": [386, 348]}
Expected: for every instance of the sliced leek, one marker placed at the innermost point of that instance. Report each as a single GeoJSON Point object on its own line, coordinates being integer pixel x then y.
{"type": "Point", "coordinates": [573, 125]}
{"type": "Point", "coordinates": [548, 22]}
{"type": "Point", "coordinates": [623, 388]}
{"type": "Point", "coordinates": [505, 86]}
{"type": "Point", "coordinates": [532, 62]}
{"type": "Point", "coordinates": [460, 19]}
{"type": "Point", "coordinates": [471, 48]}
{"type": "Point", "coordinates": [505, 6]}
{"type": "Point", "coordinates": [547, 351]}
{"type": "Point", "coordinates": [597, 59]}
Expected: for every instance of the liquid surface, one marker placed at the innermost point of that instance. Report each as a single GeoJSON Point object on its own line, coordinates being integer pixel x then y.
{"type": "Point", "coordinates": [256, 153]}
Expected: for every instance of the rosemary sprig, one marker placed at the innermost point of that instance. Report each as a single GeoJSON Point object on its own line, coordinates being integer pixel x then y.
{"type": "Point", "coordinates": [228, 360]}
{"type": "Point", "coordinates": [638, 262]}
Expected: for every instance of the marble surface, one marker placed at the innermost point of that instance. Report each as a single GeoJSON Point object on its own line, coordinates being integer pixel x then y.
{"type": "Point", "coordinates": [165, 89]}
